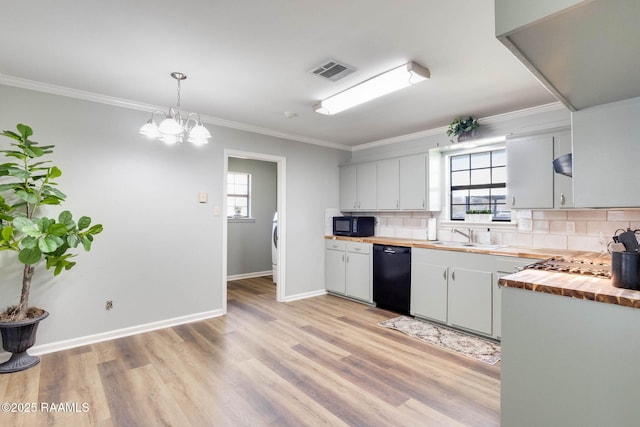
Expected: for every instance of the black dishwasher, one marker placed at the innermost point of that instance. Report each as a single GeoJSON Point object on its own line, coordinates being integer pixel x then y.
{"type": "Point", "coordinates": [392, 278]}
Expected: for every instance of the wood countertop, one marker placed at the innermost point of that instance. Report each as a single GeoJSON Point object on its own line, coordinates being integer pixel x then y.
{"type": "Point", "coordinates": [573, 286]}
{"type": "Point", "coordinates": [513, 251]}
{"type": "Point", "coordinates": [563, 284]}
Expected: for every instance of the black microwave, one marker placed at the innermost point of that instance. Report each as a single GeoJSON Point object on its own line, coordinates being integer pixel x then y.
{"type": "Point", "coordinates": [353, 226]}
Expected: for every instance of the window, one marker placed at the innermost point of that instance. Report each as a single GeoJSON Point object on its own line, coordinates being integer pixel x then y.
{"type": "Point", "coordinates": [238, 195]}
{"type": "Point", "coordinates": [479, 182]}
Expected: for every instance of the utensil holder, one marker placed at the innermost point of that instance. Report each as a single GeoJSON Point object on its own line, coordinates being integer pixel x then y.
{"type": "Point", "coordinates": [624, 270]}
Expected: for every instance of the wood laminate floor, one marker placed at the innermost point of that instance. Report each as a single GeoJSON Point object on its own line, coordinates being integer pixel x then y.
{"type": "Point", "coordinates": [318, 361]}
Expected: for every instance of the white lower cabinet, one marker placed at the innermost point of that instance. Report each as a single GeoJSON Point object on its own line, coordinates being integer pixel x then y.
{"type": "Point", "coordinates": [349, 269]}
{"type": "Point", "coordinates": [428, 287]}
{"type": "Point", "coordinates": [334, 266]}
{"type": "Point", "coordinates": [453, 288]}
{"type": "Point", "coordinates": [470, 299]}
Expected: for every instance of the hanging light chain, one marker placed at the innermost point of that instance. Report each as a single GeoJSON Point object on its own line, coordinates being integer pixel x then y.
{"type": "Point", "coordinates": [179, 94]}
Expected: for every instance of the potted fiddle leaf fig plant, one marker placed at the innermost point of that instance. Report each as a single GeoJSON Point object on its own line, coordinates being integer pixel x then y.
{"type": "Point", "coordinates": [464, 129]}
{"type": "Point", "coordinates": [27, 188]}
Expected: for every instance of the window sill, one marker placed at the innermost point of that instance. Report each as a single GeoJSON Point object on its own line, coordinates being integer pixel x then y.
{"type": "Point", "coordinates": [240, 220]}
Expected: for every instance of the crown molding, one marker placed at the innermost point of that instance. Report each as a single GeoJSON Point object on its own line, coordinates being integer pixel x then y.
{"type": "Point", "coordinates": [125, 103]}
{"type": "Point", "coordinates": [443, 129]}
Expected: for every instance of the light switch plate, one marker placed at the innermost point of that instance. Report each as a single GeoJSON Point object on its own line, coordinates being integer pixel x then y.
{"type": "Point", "coordinates": [202, 197]}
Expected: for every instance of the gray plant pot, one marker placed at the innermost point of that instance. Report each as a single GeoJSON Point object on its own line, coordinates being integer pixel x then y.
{"type": "Point", "coordinates": [17, 338]}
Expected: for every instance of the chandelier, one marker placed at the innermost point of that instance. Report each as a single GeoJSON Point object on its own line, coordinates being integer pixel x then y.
{"type": "Point", "coordinates": [176, 126]}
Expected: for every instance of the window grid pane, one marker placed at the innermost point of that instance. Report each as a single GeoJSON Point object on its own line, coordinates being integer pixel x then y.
{"type": "Point", "coordinates": [238, 195]}
{"type": "Point", "coordinates": [478, 182]}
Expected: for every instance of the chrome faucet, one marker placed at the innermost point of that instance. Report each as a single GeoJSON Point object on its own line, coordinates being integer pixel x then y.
{"type": "Point", "coordinates": [462, 233]}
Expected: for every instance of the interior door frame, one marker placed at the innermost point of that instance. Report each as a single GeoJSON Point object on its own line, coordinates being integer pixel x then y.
{"type": "Point", "coordinates": [282, 218]}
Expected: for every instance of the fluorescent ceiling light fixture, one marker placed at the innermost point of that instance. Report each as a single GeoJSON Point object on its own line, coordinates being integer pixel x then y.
{"type": "Point", "coordinates": [382, 84]}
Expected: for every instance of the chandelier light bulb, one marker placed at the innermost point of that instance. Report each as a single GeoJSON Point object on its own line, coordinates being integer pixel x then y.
{"type": "Point", "coordinates": [170, 126]}
{"type": "Point", "coordinates": [150, 130]}
{"type": "Point", "coordinates": [199, 132]}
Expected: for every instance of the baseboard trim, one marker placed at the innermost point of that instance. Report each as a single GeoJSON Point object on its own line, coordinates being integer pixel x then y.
{"type": "Point", "coordinates": [305, 295]}
{"type": "Point", "coordinates": [120, 333]}
{"type": "Point", "coordinates": [250, 275]}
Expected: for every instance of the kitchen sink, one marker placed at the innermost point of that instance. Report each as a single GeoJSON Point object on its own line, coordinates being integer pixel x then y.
{"type": "Point", "coordinates": [466, 245]}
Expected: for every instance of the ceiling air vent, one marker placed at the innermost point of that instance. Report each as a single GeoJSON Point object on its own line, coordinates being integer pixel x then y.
{"type": "Point", "coordinates": [332, 70]}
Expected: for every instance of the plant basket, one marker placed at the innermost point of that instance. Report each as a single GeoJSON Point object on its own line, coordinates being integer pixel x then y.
{"type": "Point", "coordinates": [466, 136]}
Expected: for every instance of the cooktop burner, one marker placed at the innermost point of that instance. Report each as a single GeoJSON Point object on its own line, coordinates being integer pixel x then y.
{"type": "Point", "coordinates": [574, 266]}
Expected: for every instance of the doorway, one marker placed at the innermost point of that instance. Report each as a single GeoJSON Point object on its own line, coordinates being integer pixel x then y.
{"type": "Point", "coordinates": [280, 208]}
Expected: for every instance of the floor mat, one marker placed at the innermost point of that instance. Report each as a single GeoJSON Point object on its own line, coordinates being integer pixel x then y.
{"type": "Point", "coordinates": [469, 345]}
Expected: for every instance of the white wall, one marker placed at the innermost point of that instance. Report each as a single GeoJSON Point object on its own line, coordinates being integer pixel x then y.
{"type": "Point", "coordinates": [160, 254]}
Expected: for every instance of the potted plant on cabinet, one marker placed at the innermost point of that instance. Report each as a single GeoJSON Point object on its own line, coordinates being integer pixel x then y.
{"type": "Point", "coordinates": [27, 187]}
{"type": "Point", "coordinates": [464, 129]}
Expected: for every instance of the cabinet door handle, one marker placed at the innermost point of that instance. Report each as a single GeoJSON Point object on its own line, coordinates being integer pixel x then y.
{"type": "Point", "coordinates": [347, 258]}
{"type": "Point", "coordinates": [444, 274]}
{"type": "Point", "coordinates": [342, 257]}
{"type": "Point", "coordinates": [453, 275]}
{"type": "Point", "coordinates": [422, 203]}
{"type": "Point", "coordinates": [397, 204]}
{"type": "Point", "coordinates": [562, 199]}
{"type": "Point", "coordinates": [513, 200]}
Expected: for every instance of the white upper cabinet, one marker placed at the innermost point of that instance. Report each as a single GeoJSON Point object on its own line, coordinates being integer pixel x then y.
{"type": "Point", "coordinates": [606, 152]}
{"type": "Point", "coordinates": [358, 187]}
{"type": "Point", "coordinates": [348, 188]}
{"type": "Point", "coordinates": [404, 183]}
{"type": "Point", "coordinates": [413, 182]}
{"type": "Point", "coordinates": [388, 184]}
{"type": "Point", "coordinates": [530, 172]}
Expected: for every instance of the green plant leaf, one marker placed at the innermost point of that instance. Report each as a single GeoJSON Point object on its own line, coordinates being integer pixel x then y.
{"type": "Point", "coordinates": [30, 256]}
{"type": "Point", "coordinates": [27, 196]}
{"type": "Point", "coordinates": [58, 229]}
{"type": "Point", "coordinates": [33, 151]}
{"type": "Point", "coordinates": [29, 242]}
{"type": "Point", "coordinates": [73, 240]}
{"type": "Point", "coordinates": [65, 217]}
{"type": "Point", "coordinates": [50, 201]}
{"type": "Point", "coordinates": [50, 243]}
{"type": "Point", "coordinates": [7, 233]}
{"type": "Point", "coordinates": [25, 131]}
{"type": "Point", "coordinates": [84, 222]}
{"type": "Point", "coordinates": [12, 135]}
{"type": "Point", "coordinates": [54, 172]}
{"type": "Point", "coordinates": [31, 230]}
{"type": "Point", "coordinates": [18, 173]}
{"type": "Point", "coordinates": [20, 222]}
{"type": "Point", "coordinates": [86, 243]}
{"type": "Point", "coordinates": [44, 224]}
{"type": "Point", "coordinates": [96, 229]}
{"type": "Point", "coordinates": [53, 192]}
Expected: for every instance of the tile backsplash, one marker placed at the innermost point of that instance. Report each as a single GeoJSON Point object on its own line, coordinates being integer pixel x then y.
{"type": "Point", "coordinates": [584, 230]}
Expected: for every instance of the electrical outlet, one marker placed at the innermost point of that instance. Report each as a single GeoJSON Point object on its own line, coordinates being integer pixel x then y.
{"type": "Point", "coordinates": [108, 305]}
